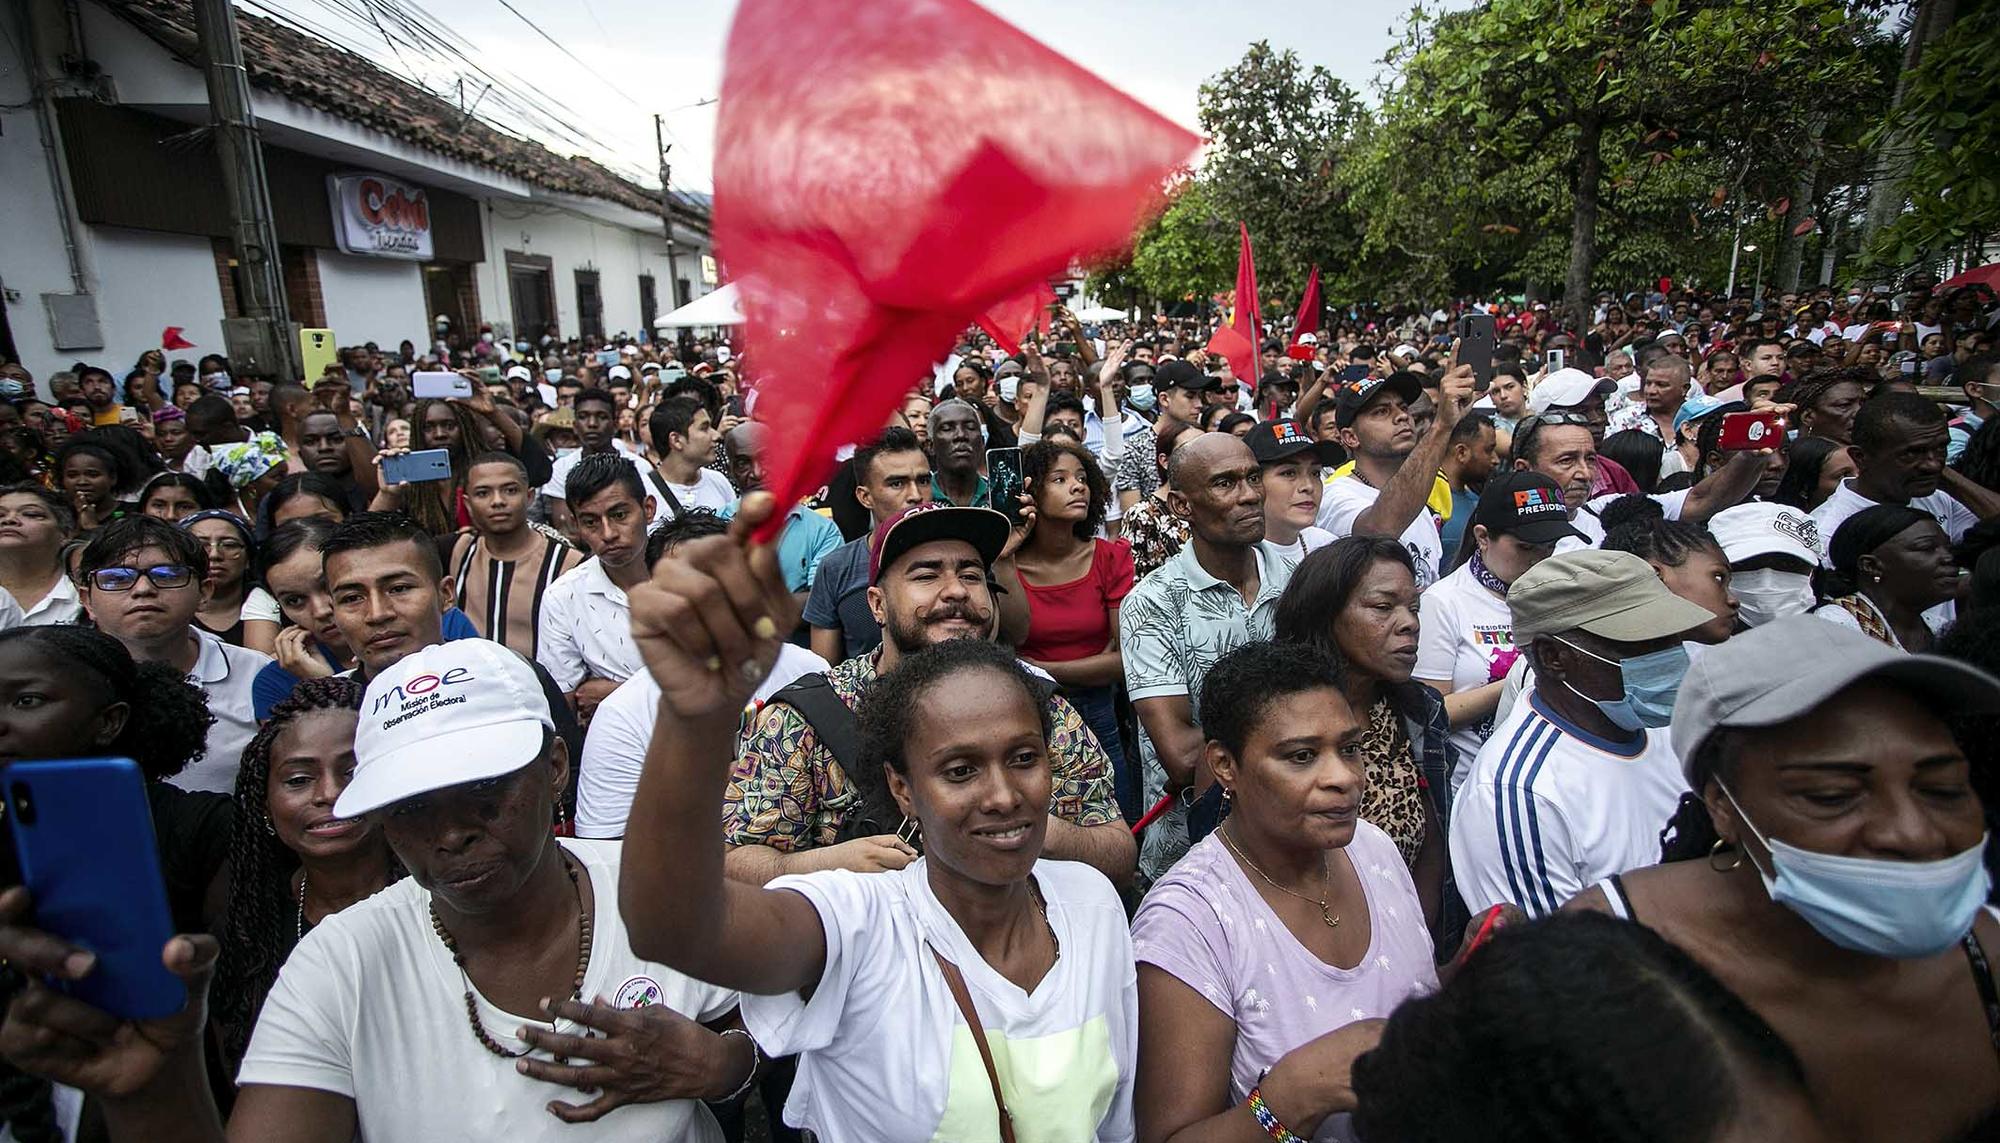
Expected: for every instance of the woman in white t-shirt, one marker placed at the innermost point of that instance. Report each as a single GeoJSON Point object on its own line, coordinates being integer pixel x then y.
{"type": "Point", "coordinates": [1466, 642]}
{"type": "Point", "coordinates": [929, 1001]}
{"type": "Point", "coordinates": [1293, 485]}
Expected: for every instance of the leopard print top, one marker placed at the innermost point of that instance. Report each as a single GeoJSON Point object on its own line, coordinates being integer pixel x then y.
{"type": "Point", "coordinates": [1393, 801]}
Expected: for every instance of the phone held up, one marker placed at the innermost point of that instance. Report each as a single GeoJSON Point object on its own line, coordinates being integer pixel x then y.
{"type": "Point", "coordinates": [1742, 432]}
{"type": "Point", "coordinates": [1475, 348]}
{"type": "Point", "coordinates": [1004, 482]}
{"type": "Point", "coordinates": [417, 467]}
{"type": "Point", "coordinates": [82, 837]}
{"type": "Point", "coordinates": [439, 385]}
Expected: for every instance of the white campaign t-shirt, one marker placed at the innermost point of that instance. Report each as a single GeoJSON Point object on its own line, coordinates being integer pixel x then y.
{"type": "Point", "coordinates": [1549, 809]}
{"type": "Point", "coordinates": [1311, 539]}
{"type": "Point", "coordinates": [1347, 498]}
{"type": "Point", "coordinates": [371, 1007]}
{"type": "Point", "coordinates": [614, 751]}
{"type": "Point", "coordinates": [885, 1056]}
{"type": "Point", "coordinates": [1586, 519]}
{"type": "Point", "coordinates": [1465, 638]}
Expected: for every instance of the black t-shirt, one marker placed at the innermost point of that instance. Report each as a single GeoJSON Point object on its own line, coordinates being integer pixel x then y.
{"type": "Point", "coordinates": [193, 832]}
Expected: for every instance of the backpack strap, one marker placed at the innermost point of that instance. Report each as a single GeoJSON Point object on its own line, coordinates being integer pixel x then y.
{"type": "Point", "coordinates": [962, 996]}
{"type": "Point", "coordinates": [666, 494]}
{"type": "Point", "coordinates": [833, 722]}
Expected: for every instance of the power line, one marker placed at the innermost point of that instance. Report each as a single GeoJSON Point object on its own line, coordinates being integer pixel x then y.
{"type": "Point", "coordinates": [557, 45]}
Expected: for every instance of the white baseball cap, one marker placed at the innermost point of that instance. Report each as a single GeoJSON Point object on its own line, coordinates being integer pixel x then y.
{"type": "Point", "coordinates": [519, 373]}
{"type": "Point", "coordinates": [620, 373]}
{"type": "Point", "coordinates": [453, 713]}
{"type": "Point", "coordinates": [1747, 531]}
{"type": "Point", "coordinates": [1567, 387]}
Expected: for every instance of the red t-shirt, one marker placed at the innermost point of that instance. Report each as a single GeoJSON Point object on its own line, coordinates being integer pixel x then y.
{"type": "Point", "coordinates": [1073, 620]}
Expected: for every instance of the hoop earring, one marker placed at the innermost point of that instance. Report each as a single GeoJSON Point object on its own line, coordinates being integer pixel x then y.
{"type": "Point", "coordinates": [1715, 849]}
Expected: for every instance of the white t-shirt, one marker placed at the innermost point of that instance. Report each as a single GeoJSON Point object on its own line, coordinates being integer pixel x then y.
{"type": "Point", "coordinates": [1587, 522]}
{"type": "Point", "coordinates": [1347, 498]}
{"type": "Point", "coordinates": [224, 672]}
{"type": "Point", "coordinates": [559, 477]}
{"type": "Point", "coordinates": [710, 490]}
{"type": "Point", "coordinates": [1466, 638]}
{"type": "Point", "coordinates": [1955, 518]}
{"type": "Point", "coordinates": [885, 1056]}
{"type": "Point", "coordinates": [614, 751]}
{"type": "Point", "coordinates": [258, 604]}
{"type": "Point", "coordinates": [1549, 810]}
{"type": "Point", "coordinates": [371, 1007]}
{"type": "Point", "coordinates": [1311, 539]}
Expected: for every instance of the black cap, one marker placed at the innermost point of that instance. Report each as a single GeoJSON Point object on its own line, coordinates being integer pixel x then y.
{"type": "Point", "coordinates": [1273, 441]}
{"type": "Point", "coordinates": [1355, 395]}
{"type": "Point", "coordinates": [984, 528]}
{"type": "Point", "coordinates": [1525, 505]}
{"type": "Point", "coordinates": [1178, 374]}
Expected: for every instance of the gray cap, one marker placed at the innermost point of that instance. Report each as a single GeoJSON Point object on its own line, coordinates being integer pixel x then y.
{"type": "Point", "coordinates": [1777, 672]}
{"type": "Point", "coordinates": [1613, 595]}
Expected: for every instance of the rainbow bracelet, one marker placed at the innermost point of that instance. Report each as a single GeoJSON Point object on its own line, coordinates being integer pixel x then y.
{"type": "Point", "coordinates": [1268, 1119]}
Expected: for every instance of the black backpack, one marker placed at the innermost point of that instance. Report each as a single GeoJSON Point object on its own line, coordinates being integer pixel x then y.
{"type": "Point", "coordinates": [834, 724]}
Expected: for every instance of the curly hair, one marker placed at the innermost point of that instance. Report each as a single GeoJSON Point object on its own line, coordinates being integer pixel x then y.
{"type": "Point", "coordinates": [888, 713]}
{"type": "Point", "coordinates": [433, 503]}
{"type": "Point", "coordinates": [1039, 459]}
{"type": "Point", "coordinates": [1241, 687]}
{"type": "Point", "coordinates": [167, 727]}
{"type": "Point", "coordinates": [259, 927]}
{"type": "Point", "coordinates": [1637, 524]}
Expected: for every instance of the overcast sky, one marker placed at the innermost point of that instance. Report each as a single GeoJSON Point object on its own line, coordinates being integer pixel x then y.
{"type": "Point", "coordinates": [663, 56]}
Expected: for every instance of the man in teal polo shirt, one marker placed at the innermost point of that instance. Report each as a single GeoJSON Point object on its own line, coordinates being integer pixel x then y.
{"type": "Point", "coordinates": [957, 452]}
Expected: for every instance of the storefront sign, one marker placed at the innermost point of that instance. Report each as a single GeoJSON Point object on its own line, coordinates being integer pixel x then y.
{"type": "Point", "coordinates": [380, 217]}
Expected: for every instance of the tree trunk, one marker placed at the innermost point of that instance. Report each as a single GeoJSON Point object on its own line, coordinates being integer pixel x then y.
{"type": "Point", "coordinates": [1792, 246]}
{"type": "Point", "coordinates": [1892, 154]}
{"type": "Point", "coordinates": [1583, 224]}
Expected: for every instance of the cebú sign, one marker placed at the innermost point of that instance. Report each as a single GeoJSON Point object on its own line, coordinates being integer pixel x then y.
{"type": "Point", "coordinates": [380, 217]}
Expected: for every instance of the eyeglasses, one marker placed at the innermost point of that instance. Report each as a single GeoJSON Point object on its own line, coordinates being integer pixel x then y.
{"type": "Point", "coordinates": [162, 576]}
{"type": "Point", "coordinates": [227, 545]}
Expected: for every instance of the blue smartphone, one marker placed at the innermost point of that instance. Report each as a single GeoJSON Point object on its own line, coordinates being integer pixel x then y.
{"type": "Point", "coordinates": [417, 467]}
{"type": "Point", "coordinates": [82, 832]}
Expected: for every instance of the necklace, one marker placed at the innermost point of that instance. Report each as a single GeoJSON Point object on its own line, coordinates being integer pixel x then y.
{"type": "Point", "coordinates": [1326, 912]}
{"type": "Point", "coordinates": [472, 1005]}
{"type": "Point", "coordinates": [299, 929]}
{"type": "Point", "coordinates": [1043, 909]}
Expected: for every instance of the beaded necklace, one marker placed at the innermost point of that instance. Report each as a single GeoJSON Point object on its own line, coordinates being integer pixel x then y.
{"type": "Point", "coordinates": [583, 942]}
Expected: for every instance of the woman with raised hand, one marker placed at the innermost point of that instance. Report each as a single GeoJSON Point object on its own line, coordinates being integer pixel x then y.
{"type": "Point", "coordinates": [979, 991]}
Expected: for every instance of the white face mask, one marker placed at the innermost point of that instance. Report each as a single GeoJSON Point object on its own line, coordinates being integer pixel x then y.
{"type": "Point", "coordinates": [1768, 593]}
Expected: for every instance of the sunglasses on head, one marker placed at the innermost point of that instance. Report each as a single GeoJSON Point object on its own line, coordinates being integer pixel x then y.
{"type": "Point", "coordinates": [161, 575]}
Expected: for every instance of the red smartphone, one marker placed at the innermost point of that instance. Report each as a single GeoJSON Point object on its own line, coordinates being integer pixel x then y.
{"type": "Point", "coordinates": [1299, 352]}
{"type": "Point", "coordinates": [1744, 431]}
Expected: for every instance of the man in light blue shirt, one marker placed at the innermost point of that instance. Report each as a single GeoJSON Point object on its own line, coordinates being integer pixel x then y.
{"type": "Point", "coordinates": [808, 536]}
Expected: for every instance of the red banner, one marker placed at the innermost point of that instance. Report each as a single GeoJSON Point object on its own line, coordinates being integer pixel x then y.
{"type": "Point", "coordinates": [1307, 320]}
{"type": "Point", "coordinates": [1245, 318]}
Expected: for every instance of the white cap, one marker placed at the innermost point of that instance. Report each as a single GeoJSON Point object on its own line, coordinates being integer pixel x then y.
{"type": "Point", "coordinates": [629, 350]}
{"type": "Point", "coordinates": [452, 713]}
{"type": "Point", "coordinates": [650, 366]}
{"type": "Point", "coordinates": [620, 373]}
{"type": "Point", "coordinates": [1567, 387]}
{"type": "Point", "coordinates": [519, 373]}
{"type": "Point", "coordinates": [1308, 339]}
{"type": "Point", "coordinates": [1747, 531]}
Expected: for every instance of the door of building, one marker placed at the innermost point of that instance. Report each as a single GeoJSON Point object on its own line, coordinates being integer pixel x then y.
{"type": "Point", "coordinates": [531, 289]}
{"type": "Point", "coordinates": [589, 307]}
{"type": "Point", "coordinates": [649, 303]}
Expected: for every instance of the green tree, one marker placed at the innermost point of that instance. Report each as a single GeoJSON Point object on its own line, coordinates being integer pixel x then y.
{"type": "Point", "coordinates": [1188, 250]}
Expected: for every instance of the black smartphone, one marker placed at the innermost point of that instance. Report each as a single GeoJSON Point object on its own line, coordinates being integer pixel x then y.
{"type": "Point", "coordinates": [1003, 482]}
{"type": "Point", "coordinates": [1475, 347]}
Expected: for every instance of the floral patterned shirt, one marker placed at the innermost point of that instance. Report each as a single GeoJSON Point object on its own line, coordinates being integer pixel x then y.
{"type": "Point", "coordinates": [1154, 533]}
{"type": "Point", "coordinates": [787, 792]}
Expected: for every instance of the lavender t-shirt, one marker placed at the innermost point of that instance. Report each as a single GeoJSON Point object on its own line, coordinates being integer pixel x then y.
{"type": "Point", "coordinates": [1206, 924]}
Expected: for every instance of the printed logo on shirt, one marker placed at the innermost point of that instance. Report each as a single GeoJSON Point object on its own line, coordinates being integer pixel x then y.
{"type": "Point", "coordinates": [638, 992]}
{"type": "Point", "coordinates": [1496, 635]}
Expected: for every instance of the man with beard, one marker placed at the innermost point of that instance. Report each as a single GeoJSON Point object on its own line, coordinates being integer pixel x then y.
{"type": "Point", "coordinates": [800, 798]}
{"type": "Point", "coordinates": [506, 566]}
{"type": "Point", "coordinates": [1218, 592]}
{"type": "Point", "coordinates": [956, 456]}
{"type": "Point", "coordinates": [1394, 469]}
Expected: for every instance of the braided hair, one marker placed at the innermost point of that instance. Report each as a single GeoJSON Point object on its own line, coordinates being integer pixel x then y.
{"type": "Point", "coordinates": [260, 925]}
{"type": "Point", "coordinates": [1638, 524]}
{"type": "Point", "coordinates": [166, 727]}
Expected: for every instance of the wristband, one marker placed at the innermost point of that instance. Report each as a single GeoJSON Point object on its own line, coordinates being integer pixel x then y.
{"type": "Point", "coordinates": [756, 1054]}
{"type": "Point", "coordinates": [1268, 1119]}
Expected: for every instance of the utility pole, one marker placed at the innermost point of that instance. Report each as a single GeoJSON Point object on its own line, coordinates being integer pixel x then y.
{"type": "Point", "coordinates": [667, 214]}
{"type": "Point", "coordinates": [261, 283]}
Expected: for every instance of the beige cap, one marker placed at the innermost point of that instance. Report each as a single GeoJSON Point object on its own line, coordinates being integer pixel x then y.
{"type": "Point", "coordinates": [1613, 595]}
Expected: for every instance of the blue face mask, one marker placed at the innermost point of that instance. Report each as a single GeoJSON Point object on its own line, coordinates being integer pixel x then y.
{"type": "Point", "coordinates": [1901, 909]}
{"type": "Point", "coordinates": [1141, 397]}
{"type": "Point", "coordinates": [1652, 682]}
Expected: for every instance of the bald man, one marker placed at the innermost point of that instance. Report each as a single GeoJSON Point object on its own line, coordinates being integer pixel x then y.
{"type": "Point", "coordinates": [1217, 593]}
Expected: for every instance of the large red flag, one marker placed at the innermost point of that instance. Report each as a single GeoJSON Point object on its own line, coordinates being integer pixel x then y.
{"type": "Point", "coordinates": [1010, 322]}
{"type": "Point", "coordinates": [886, 172]}
{"type": "Point", "coordinates": [1246, 320]}
{"type": "Point", "coordinates": [1309, 307]}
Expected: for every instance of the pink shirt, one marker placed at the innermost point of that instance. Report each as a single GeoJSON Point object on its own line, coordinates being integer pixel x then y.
{"type": "Point", "coordinates": [1206, 925]}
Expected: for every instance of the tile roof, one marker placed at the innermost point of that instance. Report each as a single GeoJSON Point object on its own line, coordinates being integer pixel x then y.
{"type": "Point", "coordinates": [318, 74]}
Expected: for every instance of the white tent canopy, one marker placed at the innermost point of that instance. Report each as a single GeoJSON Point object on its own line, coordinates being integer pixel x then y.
{"type": "Point", "coordinates": [718, 308]}
{"type": "Point", "coordinates": [1099, 313]}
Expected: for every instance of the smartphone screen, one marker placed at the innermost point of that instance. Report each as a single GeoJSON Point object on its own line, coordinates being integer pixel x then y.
{"type": "Point", "coordinates": [1558, 359]}
{"type": "Point", "coordinates": [417, 467]}
{"type": "Point", "coordinates": [1003, 481]}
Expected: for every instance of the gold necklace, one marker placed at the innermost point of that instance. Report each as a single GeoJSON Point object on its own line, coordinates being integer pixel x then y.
{"type": "Point", "coordinates": [1326, 912]}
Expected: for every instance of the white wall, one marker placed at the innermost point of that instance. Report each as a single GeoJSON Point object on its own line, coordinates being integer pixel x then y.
{"type": "Point", "coordinates": [147, 281]}
{"type": "Point", "coordinates": [574, 242]}
{"type": "Point", "coordinates": [373, 299]}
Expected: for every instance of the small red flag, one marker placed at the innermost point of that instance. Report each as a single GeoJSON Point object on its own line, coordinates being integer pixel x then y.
{"type": "Point", "coordinates": [1012, 320]}
{"type": "Point", "coordinates": [1309, 307]}
{"type": "Point", "coordinates": [1246, 319]}
{"type": "Point", "coordinates": [887, 171]}
{"type": "Point", "coordinates": [1230, 345]}
{"type": "Point", "coordinates": [170, 338]}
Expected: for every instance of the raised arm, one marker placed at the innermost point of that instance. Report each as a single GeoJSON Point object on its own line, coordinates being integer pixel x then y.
{"type": "Point", "coordinates": [709, 624]}
{"type": "Point", "coordinates": [1406, 492]}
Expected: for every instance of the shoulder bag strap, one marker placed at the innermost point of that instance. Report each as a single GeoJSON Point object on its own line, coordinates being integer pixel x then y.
{"type": "Point", "coordinates": [955, 980]}
{"type": "Point", "coordinates": [667, 494]}
{"type": "Point", "coordinates": [1982, 979]}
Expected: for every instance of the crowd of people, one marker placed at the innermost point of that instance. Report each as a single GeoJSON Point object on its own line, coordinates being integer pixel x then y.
{"type": "Point", "coordinates": [1396, 745]}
